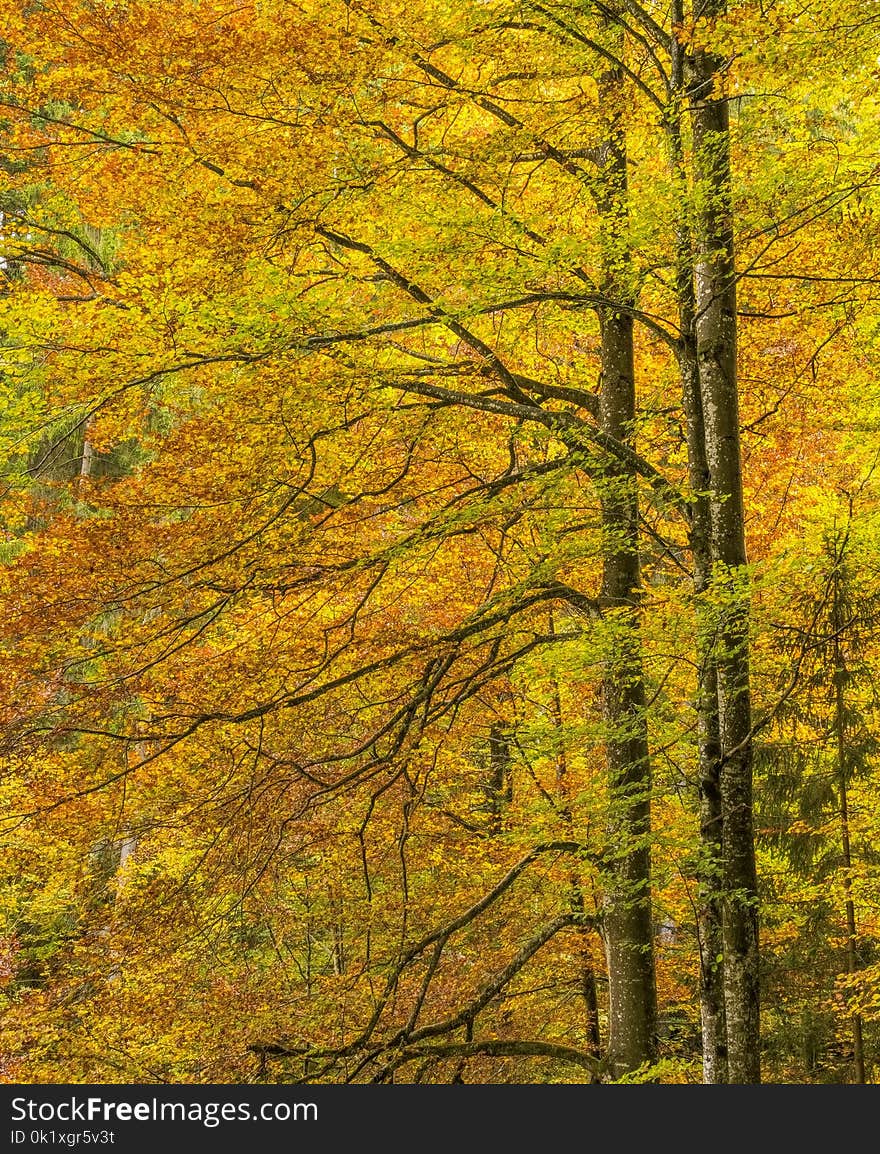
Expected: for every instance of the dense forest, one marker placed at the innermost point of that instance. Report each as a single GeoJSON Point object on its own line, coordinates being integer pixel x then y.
{"type": "Point", "coordinates": [440, 560]}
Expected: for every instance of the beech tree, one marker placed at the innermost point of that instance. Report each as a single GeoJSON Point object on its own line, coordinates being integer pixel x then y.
{"type": "Point", "coordinates": [391, 393]}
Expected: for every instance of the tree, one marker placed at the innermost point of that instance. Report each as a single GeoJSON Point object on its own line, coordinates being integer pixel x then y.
{"type": "Point", "coordinates": [419, 576]}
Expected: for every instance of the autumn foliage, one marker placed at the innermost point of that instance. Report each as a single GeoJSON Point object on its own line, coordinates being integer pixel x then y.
{"type": "Point", "coordinates": [358, 640]}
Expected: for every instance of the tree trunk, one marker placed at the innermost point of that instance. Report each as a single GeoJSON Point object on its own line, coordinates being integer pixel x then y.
{"type": "Point", "coordinates": [629, 944]}
{"type": "Point", "coordinates": [840, 733]}
{"type": "Point", "coordinates": [716, 358]}
{"type": "Point", "coordinates": [709, 911]}
{"type": "Point", "coordinates": [577, 899]}
{"type": "Point", "coordinates": [498, 779]}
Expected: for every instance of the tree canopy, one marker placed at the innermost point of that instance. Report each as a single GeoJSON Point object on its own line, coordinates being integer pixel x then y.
{"type": "Point", "coordinates": [439, 579]}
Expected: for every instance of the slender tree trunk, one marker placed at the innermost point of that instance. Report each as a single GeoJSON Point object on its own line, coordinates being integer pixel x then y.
{"type": "Point", "coordinates": [86, 459]}
{"type": "Point", "coordinates": [85, 469]}
{"type": "Point", "coordinates": [629, 943]}
{"type": "Point", "coordinates": [840, 733]}
{"type": "Point", "coordinates": [577, 900]}
{"type": "Point", "coordinates": [627, 916]}
{"type": "Point", "coordinates": [498, 779]}
{"type": "Point", "coordinates": [337, 949]}
{"type": "Point", "coordinates": [716, 358]}
{"type": "Point", "coordinates": [709, 911]}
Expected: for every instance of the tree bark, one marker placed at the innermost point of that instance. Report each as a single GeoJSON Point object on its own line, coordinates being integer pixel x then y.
{"type": "Point", "coordinates": [498, 779]}
{"type": "Point", "coordinates": [628, 929]}
{"type": "Point", "coordinates": [577, 899]}
{"type": "Point", "coordinates": [716, 337]}
{"type": "Point", "coordinates": [839, 675]}
{"type": "Point", "coordinates": [709, 911]}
